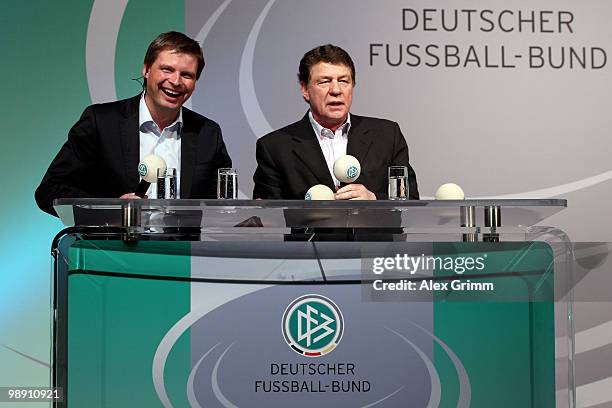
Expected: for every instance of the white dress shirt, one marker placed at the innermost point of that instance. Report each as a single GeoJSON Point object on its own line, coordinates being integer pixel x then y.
{"type": "Point", "coordinates": [165, 143]}
{"type": "Point", "coordinates": [333, 144]}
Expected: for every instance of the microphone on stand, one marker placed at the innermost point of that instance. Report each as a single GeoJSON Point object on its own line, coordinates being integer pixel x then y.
{"type": "Point", "coordinates": [319, 192]}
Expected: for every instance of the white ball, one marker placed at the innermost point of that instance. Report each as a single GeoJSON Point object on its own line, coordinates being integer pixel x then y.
{"type": "Point", "coordinates": [147, 168]}
{"type": "Point", "coordinates": [320, 192]}
{"type": "Point", "coordinates": [449, 191]}
{"type": "Point", "coordinates": [347, 168]}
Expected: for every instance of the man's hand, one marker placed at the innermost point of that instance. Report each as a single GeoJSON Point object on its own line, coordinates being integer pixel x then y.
{"type": "Point", "coordinates": [131, 196]}
{"type": "Point", "coordinates": [354, 192]}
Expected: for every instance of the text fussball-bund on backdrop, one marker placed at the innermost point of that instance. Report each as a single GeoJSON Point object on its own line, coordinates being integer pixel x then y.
{"type": "Point", "coordinates": [479, 24]}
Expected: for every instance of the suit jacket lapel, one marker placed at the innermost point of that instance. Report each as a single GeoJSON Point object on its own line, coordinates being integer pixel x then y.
{"type": "Point", "coordinates": [359, 140]}
{"type": "Point", "coordinates": [306, 149]}
{"type": "Point", "coordinates": [189, 146]}
{"type": "Point", "coordinates": [130, 142]}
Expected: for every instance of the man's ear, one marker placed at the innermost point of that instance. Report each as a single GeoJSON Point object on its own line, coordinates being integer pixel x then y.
{"type": "Point", "coordinates": [145, 72]}
{"type": "Point", "coordinates": [304, 90]}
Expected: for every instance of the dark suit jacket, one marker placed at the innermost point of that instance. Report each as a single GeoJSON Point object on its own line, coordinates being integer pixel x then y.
{"type": "Point", "coordinates": [290, 160]}
{"type": "Point", "coordinates": [100, 158]}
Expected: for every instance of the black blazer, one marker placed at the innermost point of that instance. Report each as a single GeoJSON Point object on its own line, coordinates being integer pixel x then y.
{"type": "Point", "coordinates": [100, 158]}
{"type": "Point", "coordinates": [290, 160]}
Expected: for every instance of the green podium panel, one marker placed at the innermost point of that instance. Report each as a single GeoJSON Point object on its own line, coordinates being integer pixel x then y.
{"type": "Point", "coordinates": [117, 317]}
{"type": "Point", "coordinates": [277, 324]}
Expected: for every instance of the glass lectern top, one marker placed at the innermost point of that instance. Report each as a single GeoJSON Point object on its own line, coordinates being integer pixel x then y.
{"type": "Point", "coordinates": [306, 214]}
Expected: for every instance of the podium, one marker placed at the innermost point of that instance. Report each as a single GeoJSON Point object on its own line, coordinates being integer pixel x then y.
{"type": "Point", "coordinates": [255, 303]}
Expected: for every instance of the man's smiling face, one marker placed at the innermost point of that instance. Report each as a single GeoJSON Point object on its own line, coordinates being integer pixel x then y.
{"type": "Point", "coordinates": [171, 80]}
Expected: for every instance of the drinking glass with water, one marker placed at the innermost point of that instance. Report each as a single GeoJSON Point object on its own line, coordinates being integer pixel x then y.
{"type": "Point", "coordinates": [227, 184]}
{"type": "Point", "coordinates": [166, 183]}
{"type": "Point", "coordinates": [398, 183]}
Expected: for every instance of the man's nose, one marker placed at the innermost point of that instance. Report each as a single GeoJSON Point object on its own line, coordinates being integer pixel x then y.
{"type": "Point", "coordinates": [175, 78]}
{"type": "Point", "coordinates": [334, 88]}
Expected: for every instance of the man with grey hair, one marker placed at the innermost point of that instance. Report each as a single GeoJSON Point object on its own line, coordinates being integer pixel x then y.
{"type": "Point", "coordinates": [293, 159]}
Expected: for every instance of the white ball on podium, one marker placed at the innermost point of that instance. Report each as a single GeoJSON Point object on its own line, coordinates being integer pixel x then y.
{"type": "Point", "coordinates": [320, 192]}
{"type": "Point", "coordinates": [450, 191]}
{"type": "Point", "coordinates": [147, 168]}
{"type": "Point", "coordinates": [347, 168]}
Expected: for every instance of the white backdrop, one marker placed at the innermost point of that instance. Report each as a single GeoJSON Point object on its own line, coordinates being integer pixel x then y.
{"type": "Point", "coordinates": [473, 84]}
